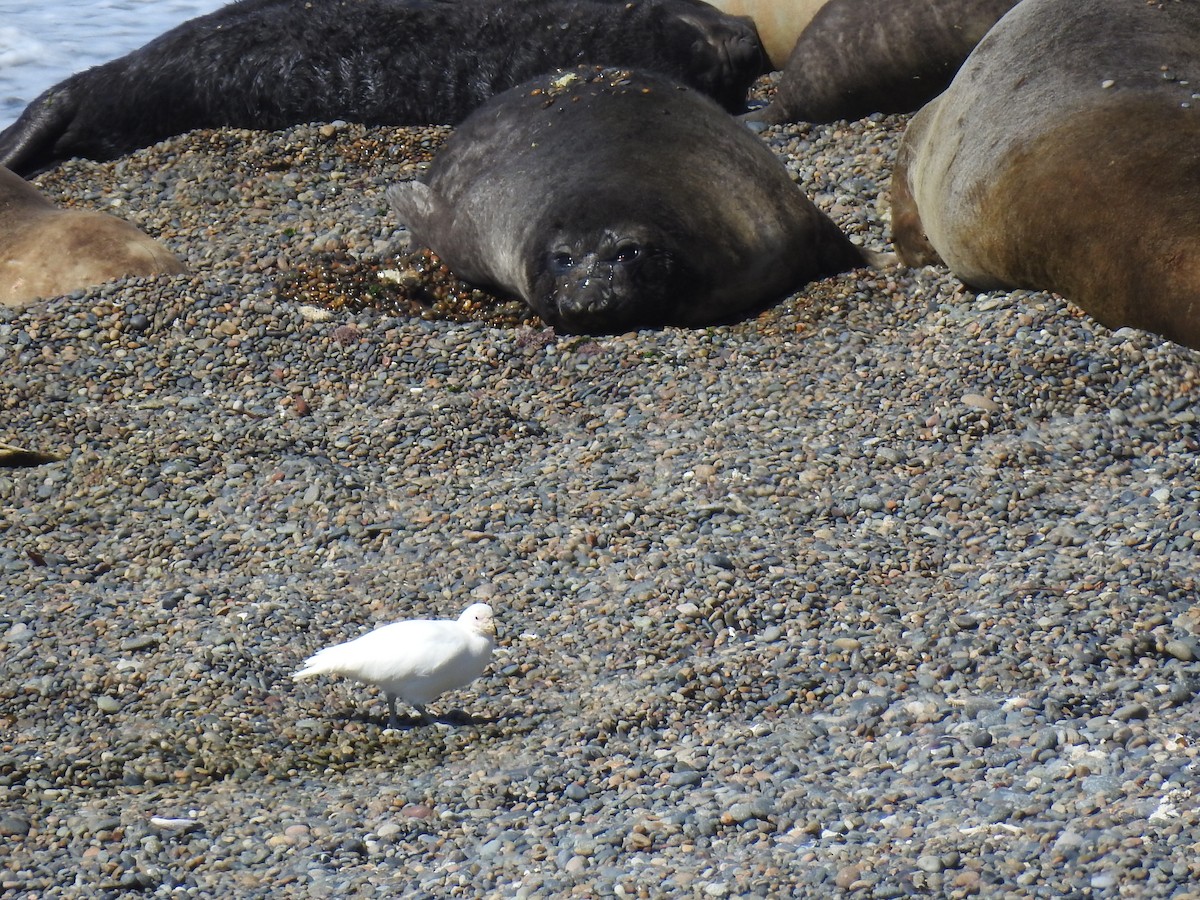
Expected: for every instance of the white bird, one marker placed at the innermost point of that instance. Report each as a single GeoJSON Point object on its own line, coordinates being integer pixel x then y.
{"type": "Point", "coordinates": [415, 660]}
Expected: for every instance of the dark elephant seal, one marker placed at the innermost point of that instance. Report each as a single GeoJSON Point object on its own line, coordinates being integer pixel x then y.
{"type": "Point", "coordinates": [268, 64]}
{"type": "Point", "coordinates": [858, 57]}
{"type": "Point", "coordinates": [46, 251]}
{"type": "Point", "coordinates": [1066, 157]}
{"type": "Point", "coordinates": [608, 199]}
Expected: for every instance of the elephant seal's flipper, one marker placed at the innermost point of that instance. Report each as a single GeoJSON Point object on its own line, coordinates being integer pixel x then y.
{"type": "Point", "coordinates": [413, 203]}
{"type": "Point", "coordinates": [27, 145]}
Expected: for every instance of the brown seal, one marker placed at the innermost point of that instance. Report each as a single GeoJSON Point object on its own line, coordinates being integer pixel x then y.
{"type": "Point", "coordinates": [858, 57]}
{"type": "Point", "coordinates": [46, 251]}
{"type": "Point", "coordinates": [1065, 157]}
{"type": "Point", "coordinates": [608, 199]}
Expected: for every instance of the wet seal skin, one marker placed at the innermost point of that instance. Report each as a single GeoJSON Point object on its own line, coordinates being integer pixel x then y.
{"type": "Point", "coordinates": [46, 251]}
{"type": "Point", "coordinates": [268, 64]}
{"type": "Point", "coordinates": [1081, 177]}
{"type": "Point", "coordinates": [608, 199]}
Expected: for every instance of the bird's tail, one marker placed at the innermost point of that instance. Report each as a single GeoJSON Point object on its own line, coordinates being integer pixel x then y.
{"type": "Point", "coordinates": [323, 662]}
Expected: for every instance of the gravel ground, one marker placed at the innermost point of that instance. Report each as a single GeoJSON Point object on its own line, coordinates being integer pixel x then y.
{"type": "Point", "coordinates": [888, 590]}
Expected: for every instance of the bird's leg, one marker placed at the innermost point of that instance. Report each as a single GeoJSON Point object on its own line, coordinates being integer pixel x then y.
{"type": "Point", "coordinates": [393, 722]}
{"type": "Point", "coordinates": [422, 713]}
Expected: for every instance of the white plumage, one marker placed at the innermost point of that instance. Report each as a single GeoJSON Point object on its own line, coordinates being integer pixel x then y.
{"type": "Point", "coordinates": [414, 660]}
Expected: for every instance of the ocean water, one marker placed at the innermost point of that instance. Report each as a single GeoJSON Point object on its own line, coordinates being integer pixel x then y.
{"type": "Point", "coordinates": [41, 43]}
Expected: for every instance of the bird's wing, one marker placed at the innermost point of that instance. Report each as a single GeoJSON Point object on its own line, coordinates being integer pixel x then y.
{"type": "Point", "coordinates": [403, 650]}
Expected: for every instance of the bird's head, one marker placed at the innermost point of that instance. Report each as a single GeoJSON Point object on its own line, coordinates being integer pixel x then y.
{"type": "Point", "coordinates": [478, 617]}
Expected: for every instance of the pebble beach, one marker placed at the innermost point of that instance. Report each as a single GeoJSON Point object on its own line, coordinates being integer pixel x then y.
{"type": "Point", "coordinates": [889, 590]}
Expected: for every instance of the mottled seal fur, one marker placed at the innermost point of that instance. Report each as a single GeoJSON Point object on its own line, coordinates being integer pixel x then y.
{"type": "Point", "coordinates": [268, 64]}
{"type": "Point", "coordinates": [46, 251]}
{"type": "Point", "coordinates": [858, 57]}
{"type": "Point", "coordinates": [609, 200]}
{"type": "Point", "coordinates": [1065, 157]}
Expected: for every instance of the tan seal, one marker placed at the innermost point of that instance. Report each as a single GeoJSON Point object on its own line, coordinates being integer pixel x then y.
{"type": "Point", "coordinates": [46, 251]}
{"type": "Point", "coordinates": [1065, 156]}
